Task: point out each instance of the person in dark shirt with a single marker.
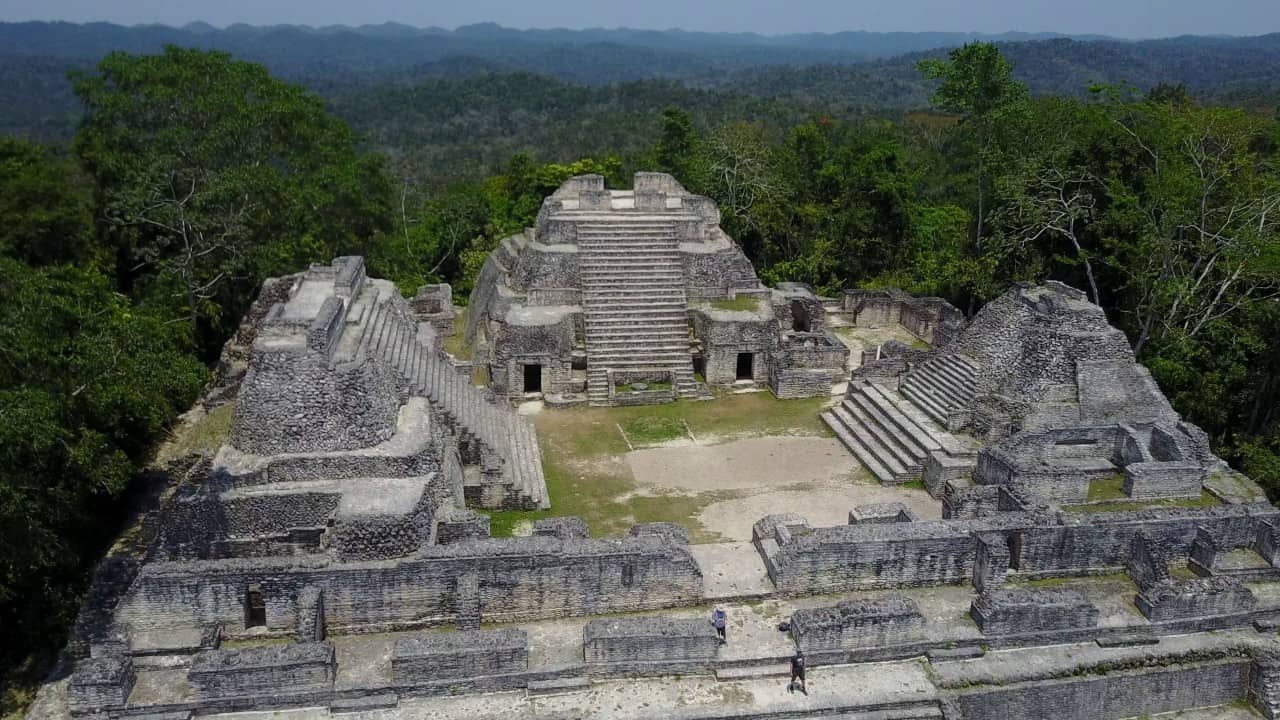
(797, 674)
(718, 619)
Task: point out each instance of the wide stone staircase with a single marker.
(941, 385)
(633, 302)
(391, 334)
(887, 433)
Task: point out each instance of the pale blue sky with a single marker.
(1126, 18)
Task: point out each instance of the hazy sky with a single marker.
(1127, 18)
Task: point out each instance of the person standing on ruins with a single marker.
(718, 619)
(797, 674)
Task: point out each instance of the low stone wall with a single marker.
(1199, 597)
(310, 627)
(435, 655)
(1020, 611)
(794, 383)
(1157, 480)
(101, 683)
(1111, 696)
(857, 624)
(270, 670)
(650, 645)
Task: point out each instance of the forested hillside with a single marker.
(173, 183)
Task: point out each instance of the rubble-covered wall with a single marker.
(429, 656)
(1198, 597)
(101, 683)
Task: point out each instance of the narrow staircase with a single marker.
(392, 335)
(633, 302)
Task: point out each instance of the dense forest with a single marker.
(131, 246)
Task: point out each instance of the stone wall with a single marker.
(1113, 695)
(1021, 611)
(429, 656)
(101, 683)
(1042, 545)
(1198, 597)
(519, 579)
(270, 670)
(857, 624)
(650, 645)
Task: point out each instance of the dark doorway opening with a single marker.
(746, 366)
(533, 378)
(255, 608)
(700, 367)
(1014, 543)
(799, 317)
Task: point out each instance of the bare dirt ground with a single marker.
(814, 477)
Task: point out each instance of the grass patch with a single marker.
(582, 458)
(1205, 500)
(913, 485)
(1060, 582)
(203, 436)
(456, 344)
(741, 303)
(653, 430)
(1107, 488)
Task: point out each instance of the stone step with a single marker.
(855, 446)
(861, 431)
(947, 397)
(903, 448)
(383, 701)
(753, 672)
(608, 277)
(948, 374)
(558, 686)
(922, 437)
(925, 403)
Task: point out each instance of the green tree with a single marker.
(46, 207)
(977, 84)
(208, 171)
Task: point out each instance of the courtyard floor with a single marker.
(713, 467)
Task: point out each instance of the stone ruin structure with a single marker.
(331, 556)
(626, 297)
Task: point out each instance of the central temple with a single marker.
(627, 297)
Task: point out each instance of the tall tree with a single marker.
(208, 173)
(977, 84)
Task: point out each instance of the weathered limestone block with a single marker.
(1019, 611)
(1148, 562)
(857, 624)
(629, 643)
(429, 656)
(270, 670)
(101, 683)
(882, 513)
(1199, 597)
(565, 528)
(311, 625)
(1267, 541)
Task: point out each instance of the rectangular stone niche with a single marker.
(271, 670)
(1017, 611)
(649, 639)
(858, 624)
(429, 656)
